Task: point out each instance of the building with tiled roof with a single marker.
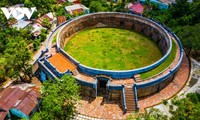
(18, 103)
(75, 1)
(36, 29)
(135, 8)
(60, 1)
(48, 16)
(21, 24)
(61, 19)
(76, 8)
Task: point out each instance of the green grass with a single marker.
(113, 49)
(54, 38)
(36, 116)
(164, 65)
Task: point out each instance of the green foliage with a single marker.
(153, 114)
(60, 11)
(36, 44)
(54, 38)
(98, 6)
(17, 57)
(28, 3)
(2, 70)
(187, 108)
(46, 23)
(44, 6)
(181, 109)
(86, 2)
(43, 35)
(59, 99)
(183, 17)
(162, 66)
(190, 38)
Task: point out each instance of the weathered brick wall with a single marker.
(143, 92)
(116, 20)
(87, 91)
(114, 95)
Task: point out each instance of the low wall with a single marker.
(154, 86)
(116, 20)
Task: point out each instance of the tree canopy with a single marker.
(59, 98)
(181, 109)
(17, 59)
(184, 19)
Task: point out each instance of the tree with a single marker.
(180, 109)
(43, 35)
(28, 3)
(154, 114)
(190, 38)
(2, 70)
(46, 23)
(187, 108)
(18, 59)
(59, 98)
(86, 2)
(98, 6)
(44, 6)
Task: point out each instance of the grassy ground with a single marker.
(113, 49)
(164, 65)
(54, 38)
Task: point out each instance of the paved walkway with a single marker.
(173, 88)
(191, 86)
(45, 44)
(98, 109)
(114, 111)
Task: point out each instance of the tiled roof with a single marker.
(137, 8)
(75, 1)
(49, 16)
(76, 7)
(60, 1)
(61, 19)
(25, 101)
(21, 24)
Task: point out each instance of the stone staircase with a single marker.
(130, 99)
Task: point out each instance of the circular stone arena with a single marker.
(131, 55)
(113, 49)
(123, 85)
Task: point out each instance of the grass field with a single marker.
(54, 38)
(164, 65)
(113, 49)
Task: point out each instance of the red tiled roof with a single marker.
(60, 1)
(17, 98)
(77, 2)
(61, 19)
(137, 8)
(77, 11)
(39, 20)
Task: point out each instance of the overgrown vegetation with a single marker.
(162, 66)
(181, 109)
(184, 19)
(59, 99)
(14, 51)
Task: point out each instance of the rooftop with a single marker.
(49, 16)
(75, 7)
(61, 63)
(61, 19)
(135, 7)
(25, 101)
(21, 24)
